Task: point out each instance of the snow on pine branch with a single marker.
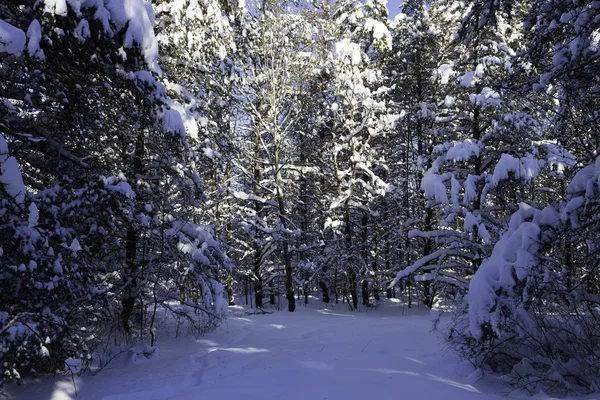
(12, 39)
(10, 174)
(424, 261)
(135, 16)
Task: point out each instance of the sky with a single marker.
(393, 8)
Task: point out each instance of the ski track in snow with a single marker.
(309, 354)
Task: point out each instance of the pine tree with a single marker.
(112, 196)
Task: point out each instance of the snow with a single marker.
(526, 168)
(82, 31)
(444, 73)
(558, 158)
(119, 185)
(514, 256)
(12, 180)
(75, 246)
(470, 222)
(34, 216)
(470, 189)
(487, 97)
(380, 32)
(179, 119)
(74, 365)
(34, 34)
(136, 16)
(3, 149)
(12, 39)
(449, 101)
(313, 353)
(580, 182)
(468, 79)
(434, 187)
(455, 189)
(463, 151)
(172, 122)
(348, 51)
(58, 7)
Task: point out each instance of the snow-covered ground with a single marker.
(311, 354)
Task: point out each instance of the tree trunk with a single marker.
(353, 290)
(230, 291)
(131, 243)
(365, 293)
(128, 299)
(258, 286)
(325, 292)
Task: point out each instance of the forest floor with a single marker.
(312, 354)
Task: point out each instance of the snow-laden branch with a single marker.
(441, 253)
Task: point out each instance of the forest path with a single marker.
(311, 354)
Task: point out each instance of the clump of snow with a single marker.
(119, 184)
(75, 246)
(34, 34)
(444, 72)
(136, 16)
(515, 254)
(348, 51)
(526, 168)
(74, 365)
(3, 149)
(34, 216)
(470, 189)
(82, 31)
(57, 7)
(487, 97)
(470, 222)
(172, 122)
(583, 182)
(179, 119)
(12, 39)
(12, 180)
(463, 151)
(454, 191)
(584, 187)
(44, 352)
(380, 32)
(433, 186)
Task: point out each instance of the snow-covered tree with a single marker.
(531, 309)
(111, 233)
(357, 121)
(484, 158)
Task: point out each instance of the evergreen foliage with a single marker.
(159, 157)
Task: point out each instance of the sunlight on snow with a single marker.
(327, 312)
(240, 350)
(395, 371)
(453, 383)
(277, 326)
(436, 378)
(207, 342)
(415, 360)
(64, 390)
